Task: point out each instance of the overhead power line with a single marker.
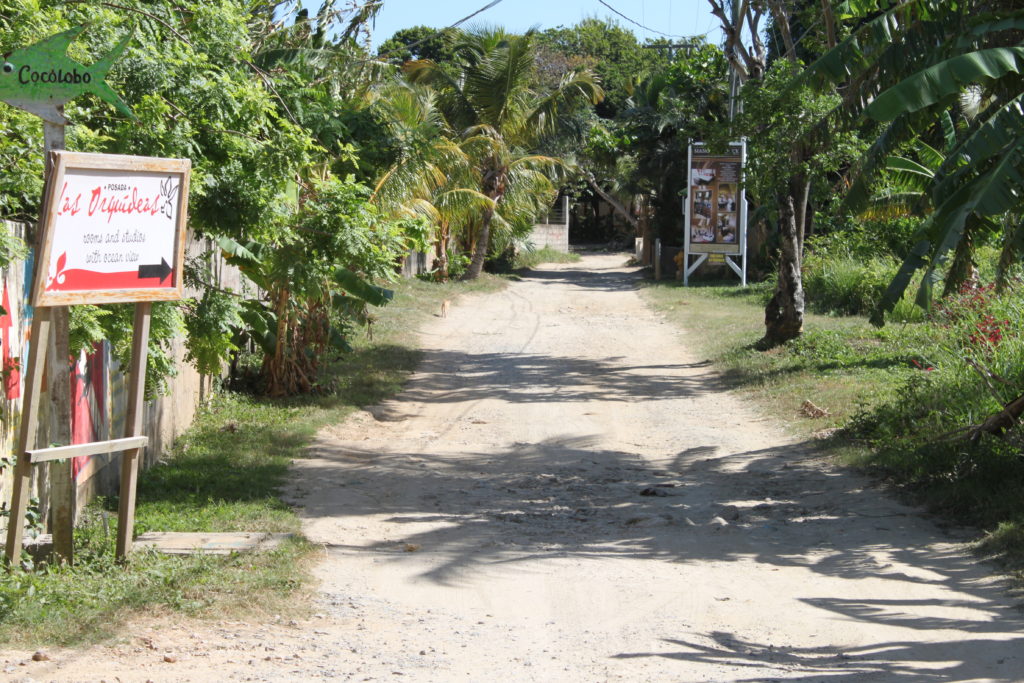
(440, 30)
(637, 23)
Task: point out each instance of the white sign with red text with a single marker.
(114, 230)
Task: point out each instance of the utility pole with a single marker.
(672, 48)
(735, 104)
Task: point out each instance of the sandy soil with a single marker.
(565, 493)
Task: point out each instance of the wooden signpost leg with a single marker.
(27, 433)
(133, 427)
(62, 485)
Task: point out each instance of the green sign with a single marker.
(40, 78)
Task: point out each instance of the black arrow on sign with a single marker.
(160, 270)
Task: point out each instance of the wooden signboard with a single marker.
(114, 230)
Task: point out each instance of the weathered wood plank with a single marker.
(80, 449)
(133, 427)
(62, 485)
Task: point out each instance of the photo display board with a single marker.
(114, 230)
(715, 222)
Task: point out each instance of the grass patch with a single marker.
(1006, 544)
(839, 364)
(223, 474)
(532, 259)
(904, 396)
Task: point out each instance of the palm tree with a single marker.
(432, 176)
(498, 116)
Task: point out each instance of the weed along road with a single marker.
(563, 492)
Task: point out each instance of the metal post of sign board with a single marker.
(686, 219)
(741, 269)
(744, 209)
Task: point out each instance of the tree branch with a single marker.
(736, 52)
(830, 23)
(615, 204)
(782, 23)
(997, 424)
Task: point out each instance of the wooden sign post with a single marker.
(112, 230)
(40, 79)
(62, 483)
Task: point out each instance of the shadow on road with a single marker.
(599, 280)
(566, 497)
(473, 505)
(527, 377)
(886, 662)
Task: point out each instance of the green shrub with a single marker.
(845, 285)
(923, 435)
(847, 272)
(866, 238)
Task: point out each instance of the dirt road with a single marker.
(564, 493)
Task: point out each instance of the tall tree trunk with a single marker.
(782, 24)
(784, 315)
(829, 18)
(803, 214)
(441, 252)
(483, 239)
(494, 187)
(276, 364)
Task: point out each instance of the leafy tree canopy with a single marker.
(613, 53)
(419, 42)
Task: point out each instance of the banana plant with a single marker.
(316, 282)
(901, 71)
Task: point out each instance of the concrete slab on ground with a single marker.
(221, 543)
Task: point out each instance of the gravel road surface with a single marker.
(565, 492)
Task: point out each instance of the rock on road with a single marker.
(564, 492)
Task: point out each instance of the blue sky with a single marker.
(675, 17)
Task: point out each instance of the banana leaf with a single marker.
(361, 289)
(262, 325)
(894, 292)
(946, 78)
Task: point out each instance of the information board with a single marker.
(113, 230)
(715, 200)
